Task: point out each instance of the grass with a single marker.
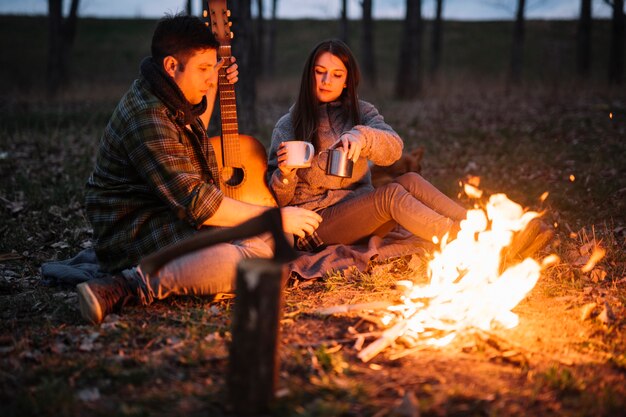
(171, 358)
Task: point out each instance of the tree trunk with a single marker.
(244, 52)
(254, 359)
(517, 47)
(436, 39)
(61, 35)
(343, 25)
(188, 8)
(616, 60)
(271, 42)
(367, 44)
(259, 40)
(584, 39)
(408, 80)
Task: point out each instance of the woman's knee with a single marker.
(389, 193)
(409, 178)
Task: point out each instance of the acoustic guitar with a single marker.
(241, 159)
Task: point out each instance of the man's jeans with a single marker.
(204, 272)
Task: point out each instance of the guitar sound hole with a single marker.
(232, 176)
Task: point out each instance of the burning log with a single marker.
(387, 338)
(345, 308)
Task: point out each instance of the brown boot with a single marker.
(101, 296)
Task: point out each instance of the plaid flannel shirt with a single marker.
(153, 182)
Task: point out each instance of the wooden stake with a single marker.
(253, 372)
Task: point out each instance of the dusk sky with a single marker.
(324, 9)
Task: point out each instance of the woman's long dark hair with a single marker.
(305, 113)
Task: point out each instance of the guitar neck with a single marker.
(228, 110)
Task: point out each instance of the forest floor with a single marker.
(567, 356)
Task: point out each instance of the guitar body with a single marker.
(241, 159)
(245, 183)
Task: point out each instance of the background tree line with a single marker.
(255, 24)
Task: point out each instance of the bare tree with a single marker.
(517, 46)
(616, 55)
(243, 49)
(343, 21)
(259, 39)
(409, 76)
(271, 42)
(367, 44)
(584, 38)
(435, 57)
(61, 35)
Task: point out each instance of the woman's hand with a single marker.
(299, 221)
(282, 161)
(351, 143)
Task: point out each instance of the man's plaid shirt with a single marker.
(153, 180)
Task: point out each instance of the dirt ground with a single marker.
(553, 363)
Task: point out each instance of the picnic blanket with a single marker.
(308, 265)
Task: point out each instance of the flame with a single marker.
(470, 186)
(597, 254)
(467, 287)
(572, 178)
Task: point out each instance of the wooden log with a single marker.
(345, 308)
(253, 365)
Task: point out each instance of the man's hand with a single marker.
(299, 221)
(232, 70)
(351, 143)
(232, 75)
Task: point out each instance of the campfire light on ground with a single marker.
(468, 287)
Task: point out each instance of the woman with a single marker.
(329, 114)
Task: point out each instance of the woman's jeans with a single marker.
(409, 201)
(204, 272)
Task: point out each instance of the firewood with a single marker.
(539, 243)
(345, 308)
(387, 338)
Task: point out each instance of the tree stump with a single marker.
(253, 361)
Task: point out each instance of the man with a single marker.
(154, 180)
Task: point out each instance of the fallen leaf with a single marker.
(587, 310)
(606, 316)
(60, 245)
(87, 344)
(586, 248)
(598, 275)
(9, 256)
(89, 394)
(13, 206)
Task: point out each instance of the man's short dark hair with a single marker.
(180, 36)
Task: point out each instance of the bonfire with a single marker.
(471, 284)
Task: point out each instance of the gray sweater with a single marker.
(311, 188)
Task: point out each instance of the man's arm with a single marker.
(296, 220)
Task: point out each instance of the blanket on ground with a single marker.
(307, 265)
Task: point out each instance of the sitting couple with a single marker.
(154, 181)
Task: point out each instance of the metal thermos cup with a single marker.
(338, 163)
